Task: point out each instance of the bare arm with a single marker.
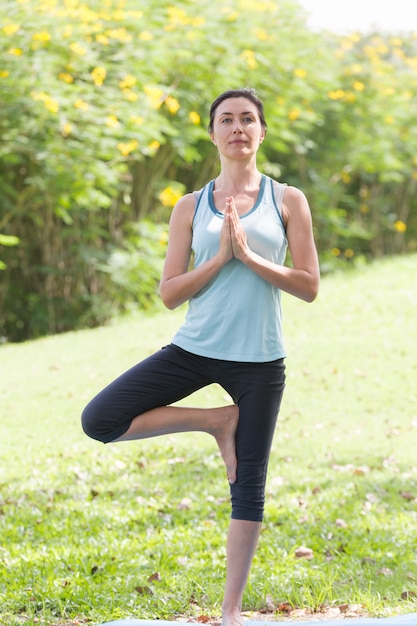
(301, 280)
(178, 283)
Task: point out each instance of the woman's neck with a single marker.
(234, 179)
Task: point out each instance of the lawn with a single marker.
(90, 533)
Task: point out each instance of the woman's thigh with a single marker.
(161, 379)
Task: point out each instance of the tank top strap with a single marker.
(198, 195)
(275, 193)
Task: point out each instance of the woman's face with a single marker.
(237, 130)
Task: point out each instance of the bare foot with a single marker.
(233, 618)
(224, 431)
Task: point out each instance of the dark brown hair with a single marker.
(247, 93)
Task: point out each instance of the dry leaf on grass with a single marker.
(303, 553)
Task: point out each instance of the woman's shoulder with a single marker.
(293, 199)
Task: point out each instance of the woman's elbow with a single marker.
(167, 298)
(313, 291)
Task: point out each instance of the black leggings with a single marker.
(172, 374)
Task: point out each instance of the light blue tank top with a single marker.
(237, 316)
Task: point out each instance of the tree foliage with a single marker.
(103, 125)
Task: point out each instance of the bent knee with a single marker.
(96, 426)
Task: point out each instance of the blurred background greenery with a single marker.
(103, 126)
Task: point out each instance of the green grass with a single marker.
(93, 533)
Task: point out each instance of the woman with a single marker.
(238, 227)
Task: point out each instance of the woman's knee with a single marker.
(90, 422)
(99, 426)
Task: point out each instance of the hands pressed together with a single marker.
(233, 240)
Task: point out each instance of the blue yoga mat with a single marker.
(399, 620)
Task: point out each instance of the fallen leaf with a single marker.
(384, 571)
(341, 523)
(407, 495)
(303, 553)
(284, 607)
(407, 595)
(143, 591)
(155, 576)
(361, 471)
(269, 603)
(184, 505)
(298, 613)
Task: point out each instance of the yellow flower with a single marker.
(98, 75)
(358, 85)
(67, 32)
(350, 97)
(178, 16)
(261, 35)
(349, 253)
(102, 39)
(335, 252)
(145, 35)
(346, 178)
(194, 117)
(78, 49)
(249, 57)
(155, 95)
(66, 78)
(389, 119)
(169, 196)
(163, 240)
(112, 121)
(400, 226)
(51, 104)
(121, 34)
(130, 95)
(127, 82)
(4, 73)
(81, 104)
(137, 119)
(154, 145)
(294, 114)
(66, 129)
(16, 51)
(11, 29)
(300, 73)
(126, 147)
(41, 36)
(172, 104)
(119, 15)
(337, 94)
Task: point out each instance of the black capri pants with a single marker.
(170, 375)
